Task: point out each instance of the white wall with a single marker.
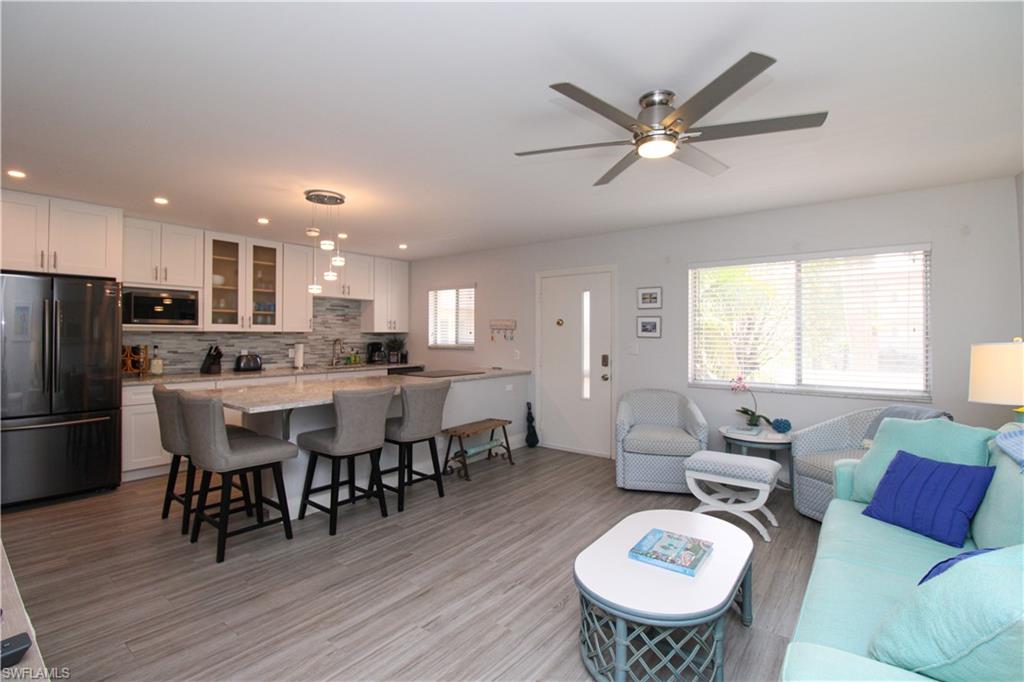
(1019, 182)
(976, 287)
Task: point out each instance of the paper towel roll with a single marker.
(300, 349)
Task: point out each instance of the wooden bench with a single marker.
(464, 431)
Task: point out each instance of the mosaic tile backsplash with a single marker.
(332, 319)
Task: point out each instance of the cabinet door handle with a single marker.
(156, 273)
(54, 260)
(42, 258)
(165, 273)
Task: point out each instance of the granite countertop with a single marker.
(230, 375)
(256, 399)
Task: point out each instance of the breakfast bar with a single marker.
(285, 411)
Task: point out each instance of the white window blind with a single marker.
(452, 318)
(841, 324)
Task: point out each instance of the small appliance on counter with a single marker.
(375, 352)
(211, 363)
(248, 362)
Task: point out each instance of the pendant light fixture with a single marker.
(328, 199)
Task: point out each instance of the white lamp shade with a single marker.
(997, 373)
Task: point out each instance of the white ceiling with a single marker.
(414, 111)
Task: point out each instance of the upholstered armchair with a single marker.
(655, 432)
(817, 448)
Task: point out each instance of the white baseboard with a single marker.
(148, 472)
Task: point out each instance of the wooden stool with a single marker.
(471, 429)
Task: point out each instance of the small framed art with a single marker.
(648, 297)
(648, 327)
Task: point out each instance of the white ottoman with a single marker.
(737, 484)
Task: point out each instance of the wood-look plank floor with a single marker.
(474, 586)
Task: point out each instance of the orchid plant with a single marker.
(738, 385)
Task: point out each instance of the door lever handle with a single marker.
(605, 377)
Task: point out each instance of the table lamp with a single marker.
(997, 374)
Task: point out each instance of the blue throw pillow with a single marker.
(946, 564)
(936, 499)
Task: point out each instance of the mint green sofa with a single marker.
(863, 567)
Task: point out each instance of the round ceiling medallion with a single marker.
(325, 197)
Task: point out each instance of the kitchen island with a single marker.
(285, 411)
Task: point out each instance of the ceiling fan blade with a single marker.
(601, 107)
(574, 147)
(765, 125)
(624, 163)
(719, 90)
(702, 161)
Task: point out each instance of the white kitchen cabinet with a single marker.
(264, 282)
(140, 438)
(355, 278)
(42, 234)
(85, 239)
(297, 263)
(160, 254)
(389, 309)
(322, 263)
(26, 231)
(243, 284)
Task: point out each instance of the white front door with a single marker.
(574, 394)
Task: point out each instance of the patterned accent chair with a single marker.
(816, 449)
(655, 432)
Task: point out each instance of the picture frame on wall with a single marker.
(648, 297)
(648, 327)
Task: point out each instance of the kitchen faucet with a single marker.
(336, 353)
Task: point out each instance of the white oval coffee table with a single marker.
(639, 621)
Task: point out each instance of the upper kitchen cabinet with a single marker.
(243, 284)
(26, 231)
(41, 234)
(296, 301)
(389, 309)
(160, 254)
(355, 277)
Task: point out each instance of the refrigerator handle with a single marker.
(58, 313)
(46, 345)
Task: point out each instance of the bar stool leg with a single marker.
(172, 479)
(257, 487)
(223, 515)
(401, 476)
(243, 482)
(377, 482)
(335, 484)
(437, 467)
(204, 491)
(310, 471)
(282, 499)
(190, 482)
(351, 477)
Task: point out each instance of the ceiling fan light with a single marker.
(657, 147)
(327, 244)
(338, 261)
(315, 289)
(330, 276)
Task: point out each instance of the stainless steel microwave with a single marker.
(160, 306)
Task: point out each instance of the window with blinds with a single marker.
(451, 318)
(854, 323)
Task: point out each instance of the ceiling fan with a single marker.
(661, 130)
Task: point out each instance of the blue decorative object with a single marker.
(946, 564)
(781, 425)
(936, 499)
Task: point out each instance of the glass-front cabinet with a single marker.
(243, 284)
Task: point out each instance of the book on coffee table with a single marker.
(675, 552)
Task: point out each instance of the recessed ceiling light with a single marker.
(17, 174)
(263, 221)
(342, 235)
(403, 246)
(160, 200)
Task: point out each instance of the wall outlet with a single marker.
(291, 353)
(508, 387)
(515, 354)
(244, 352)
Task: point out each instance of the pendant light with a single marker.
(329, 199)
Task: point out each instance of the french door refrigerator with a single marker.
(60, 386)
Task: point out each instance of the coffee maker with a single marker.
(375, 352)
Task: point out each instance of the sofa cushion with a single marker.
(936, 499)
(938, 439)
(815, 663)
(1000, 518)
(863, 566)
(818, 465)
(966, 624)
(740, 467)
(654, 439)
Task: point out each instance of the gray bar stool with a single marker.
(422, 412)
(174, 440)
(213, 452)
(360, 418)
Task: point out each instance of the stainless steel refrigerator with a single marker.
(60, 386)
